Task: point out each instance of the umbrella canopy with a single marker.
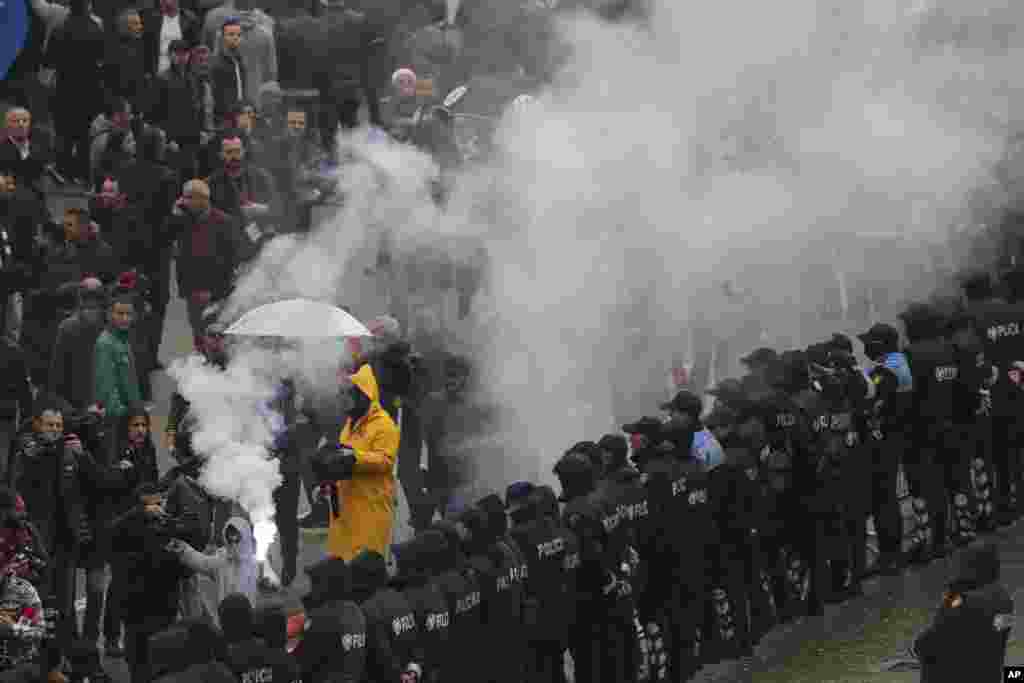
(298, 318)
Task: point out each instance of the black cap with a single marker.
(761, 356)
(685, 402)
(615, 444)
(880, 332)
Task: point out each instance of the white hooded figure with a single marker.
(233, 568)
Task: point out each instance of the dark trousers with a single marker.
(885, 457)
(545, 663)
(923, 467)
(73, 128)
(585, 642)
(8, 430)
(95, 596)
(113, 620)
(1006, 462)
(136, 642)
(62, 589)
(286, 509)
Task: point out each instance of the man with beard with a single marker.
(207, 251)
(71, 371)
(297, 152)
(245, 192)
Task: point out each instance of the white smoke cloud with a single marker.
(720, 141)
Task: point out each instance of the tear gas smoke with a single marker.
(770, 145)
(234, 431)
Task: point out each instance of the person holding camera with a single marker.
(57, 477)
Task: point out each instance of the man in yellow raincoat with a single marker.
(364, 515)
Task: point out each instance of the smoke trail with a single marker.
(718, 142)
(234, 431)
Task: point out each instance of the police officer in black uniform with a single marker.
(888, 429)
(973, 425)
(460, 584)
(544, 603)
(931, 465)
(999, 325)
(505, 609)
(390, 622)
(596, 582)
(417, 559)
(680, 537)
(334, 642)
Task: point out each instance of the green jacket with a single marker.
(116, 381)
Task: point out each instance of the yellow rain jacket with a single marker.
(368, 499)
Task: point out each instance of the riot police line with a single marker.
(687, 537)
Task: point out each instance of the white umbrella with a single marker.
(298, 318)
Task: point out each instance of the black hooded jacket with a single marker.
(976, 618)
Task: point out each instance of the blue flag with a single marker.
(13, 30)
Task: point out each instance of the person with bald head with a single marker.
(208, 251)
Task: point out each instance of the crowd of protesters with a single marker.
(678, 541)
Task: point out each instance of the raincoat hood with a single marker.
(366, 381)
(977, 567)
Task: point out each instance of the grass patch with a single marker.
(853, 658)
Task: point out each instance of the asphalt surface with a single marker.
(860, 641)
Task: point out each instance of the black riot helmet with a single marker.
(922, 321)
(577, 475)
(880, 340)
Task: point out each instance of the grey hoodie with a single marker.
(232, 573)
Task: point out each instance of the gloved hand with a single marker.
(333, 463)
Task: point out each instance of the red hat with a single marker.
(128, 279)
